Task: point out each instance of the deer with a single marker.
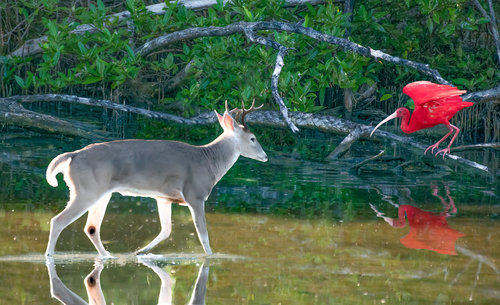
(168, 171)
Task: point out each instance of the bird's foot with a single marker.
(444, 151)
(433, 147)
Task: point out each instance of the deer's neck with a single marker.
(222, 153)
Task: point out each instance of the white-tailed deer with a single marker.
(169, 171)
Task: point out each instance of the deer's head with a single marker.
(236, 127)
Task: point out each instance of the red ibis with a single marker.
(434, 104)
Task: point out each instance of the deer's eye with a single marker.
(252, 139)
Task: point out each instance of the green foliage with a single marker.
(448, 35)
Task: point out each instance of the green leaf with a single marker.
(100, 6)
(430, 25)
(130, 51)
(410, 104)
(248, 13)
(91, 80)
(55, 59)
(461, 81)
(385, 97)
(131, 6)
(19, 81)
(490, 72)
(378, 27)
(448, 29)
(483, 20)
(322, 96)
(306, 21)
(52, 29)
(467, 26)
(205, 84)
(435, 17)
(169, 61)
(313, 54)
(186, 49)
(82, 48)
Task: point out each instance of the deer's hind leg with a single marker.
(165, 213)
(94, 221)
(77, 206)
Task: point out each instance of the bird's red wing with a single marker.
(436, 112)
(423, 92)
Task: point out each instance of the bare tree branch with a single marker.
(241, 27)
(483, 96)
(495, 145)
(31, 47)
(249, 32)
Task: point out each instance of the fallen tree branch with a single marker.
(15, 114)
(326, 123)
(476, 146)
(367, 160)
(483, 96)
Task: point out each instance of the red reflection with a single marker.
(428, 230)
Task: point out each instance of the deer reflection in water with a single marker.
(93, 286)
(428, 230)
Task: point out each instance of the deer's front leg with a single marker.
(94, 221)
(165, 213)
(198, 212)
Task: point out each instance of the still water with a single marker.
(295, 230)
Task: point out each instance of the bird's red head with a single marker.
(402, 112)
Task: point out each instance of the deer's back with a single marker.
(141, 167)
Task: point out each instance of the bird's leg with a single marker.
(439, 142)
(447, 149)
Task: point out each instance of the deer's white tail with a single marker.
(58, 165)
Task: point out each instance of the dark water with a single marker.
(291, 231)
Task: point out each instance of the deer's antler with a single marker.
(239, 114)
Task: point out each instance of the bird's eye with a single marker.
(252, 139)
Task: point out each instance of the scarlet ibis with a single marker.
(434, 104)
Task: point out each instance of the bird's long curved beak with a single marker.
(392, 116)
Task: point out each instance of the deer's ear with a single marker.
(220, 118)
(228, 122)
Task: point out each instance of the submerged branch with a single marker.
(366, 161)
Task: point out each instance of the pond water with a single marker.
(294, 230)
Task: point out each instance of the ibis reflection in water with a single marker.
(428, 230)
(92, 284)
